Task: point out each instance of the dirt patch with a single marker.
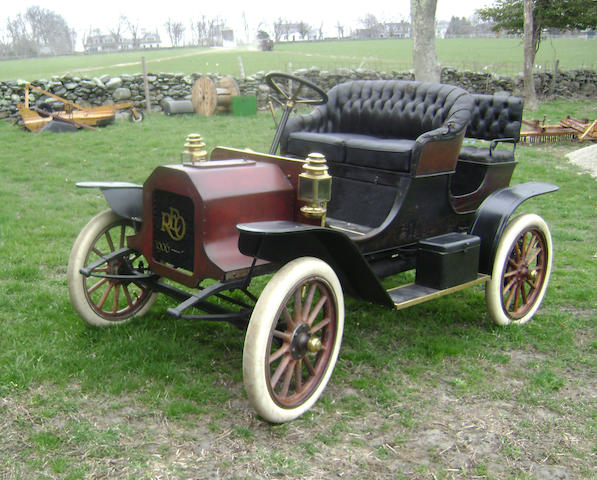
(586, 158)
(433, 432)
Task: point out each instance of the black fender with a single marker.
(283, 241)
(126, 199)
(493, 214)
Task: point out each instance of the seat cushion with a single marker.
(301, 144)
(384, 153)
(481, 154)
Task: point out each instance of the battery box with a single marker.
(447, 260)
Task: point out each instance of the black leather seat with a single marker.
(380, 124)
(496, 119)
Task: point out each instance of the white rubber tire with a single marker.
(78, 286)
(278, 296)
(534, 228)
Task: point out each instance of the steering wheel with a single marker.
(291, 97)
(275, 79)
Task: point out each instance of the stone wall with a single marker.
(106, 89)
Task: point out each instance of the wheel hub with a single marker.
(303, 342)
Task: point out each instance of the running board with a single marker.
(412, 294)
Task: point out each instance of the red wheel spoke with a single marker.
(100, 304)
(127, 294)
(97, 252)
(97, 285)
(524, 294)
(324, 323)
(116, 298)
(512, 289)
(290, 325)
(109, 240)
(298, 315)
(510, 273)
(309, 366)
(516, 296)
(316, 310)
(280, 370)
(298, 373)
(122, 235)
(281, 351)
(287, 379)
(282, 335)
(309, 302)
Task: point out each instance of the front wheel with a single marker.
(521, 270)
(293, 339)
(101, 300)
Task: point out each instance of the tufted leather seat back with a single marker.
(392, 108)
(495, 117)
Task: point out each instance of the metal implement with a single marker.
(82, 117)
(569, 129)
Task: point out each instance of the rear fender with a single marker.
(493, 214)
(126, 199)
(283, 241)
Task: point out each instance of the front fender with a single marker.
(283, 241)
(493, 214)
(126, 199)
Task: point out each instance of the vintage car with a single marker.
(374, 181)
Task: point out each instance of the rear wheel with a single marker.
(521, 270)
(293, 339)
(106, 301)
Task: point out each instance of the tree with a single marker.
(529, 56)
(39, 31)
(304, 29)
(459, 27)
(116, 32)
(425, 61)
(340, 29)
(509, 15)
(175, 31)
(133, 28)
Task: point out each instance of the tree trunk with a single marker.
(425, 61)
(529, 57)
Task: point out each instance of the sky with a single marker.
(83, 15)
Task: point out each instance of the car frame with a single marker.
(202, 231)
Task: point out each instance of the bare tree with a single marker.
(133, 28)
(425, 61)
(175, 31)
(304, 29)
(116, 31)
(340, 29)
(39, 31)
(278, 29)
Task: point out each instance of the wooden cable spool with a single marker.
(208, 96)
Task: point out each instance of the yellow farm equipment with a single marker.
(569, 129)
(79, 116)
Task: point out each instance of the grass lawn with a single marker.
(434, 391)
(500, 55)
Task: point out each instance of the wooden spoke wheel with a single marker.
(98, 299)
(293, 339)
(521, 270)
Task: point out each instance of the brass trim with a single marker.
(336, 227)
(482, 278)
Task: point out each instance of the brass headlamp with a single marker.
(315, 187)
(194, 151)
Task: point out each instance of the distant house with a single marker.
(110, 43)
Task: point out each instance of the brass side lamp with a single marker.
(194, 151)
(315, 187)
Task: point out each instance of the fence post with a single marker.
(146, 86)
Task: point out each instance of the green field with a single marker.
(433, 391)
(495, 55)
